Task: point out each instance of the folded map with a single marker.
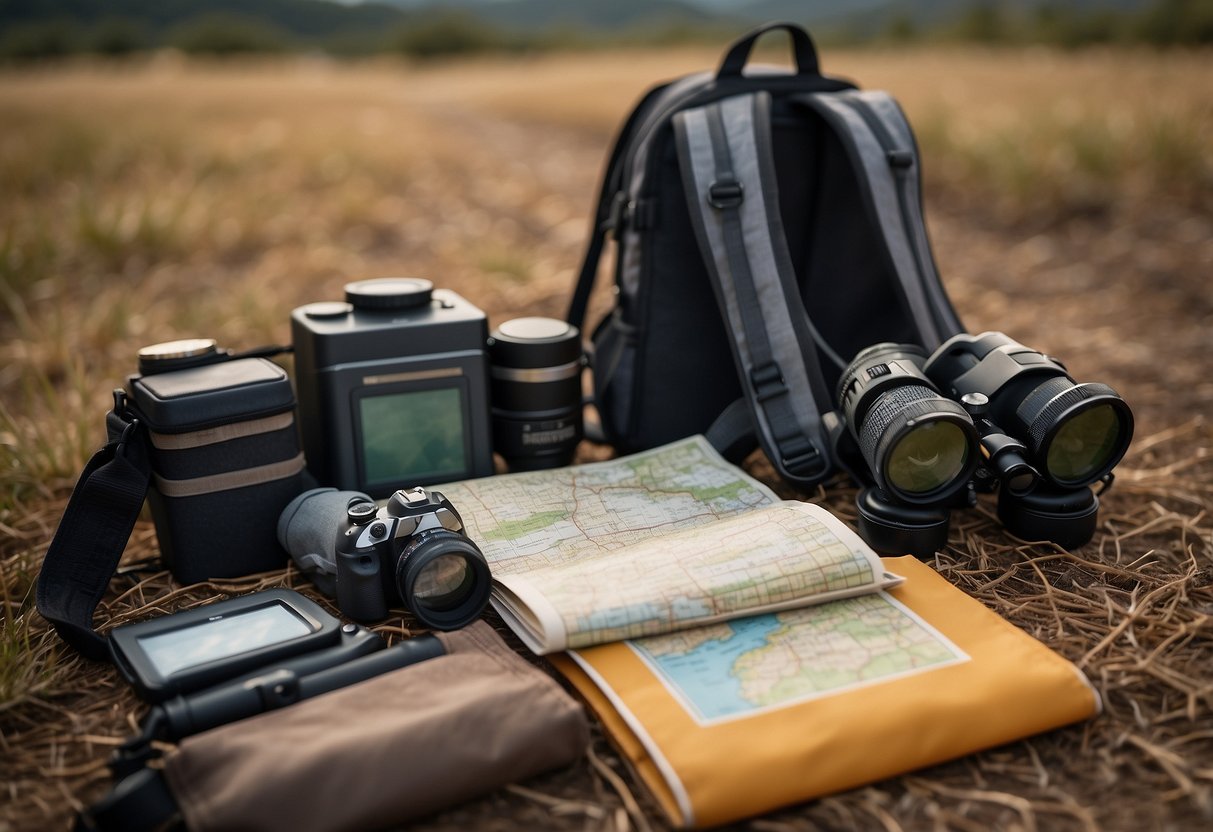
(653, 543)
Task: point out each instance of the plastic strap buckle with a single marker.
(807, 463)
(768, 382)
(726, 193)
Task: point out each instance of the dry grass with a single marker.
(1069, 199)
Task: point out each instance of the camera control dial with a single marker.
(389, 293)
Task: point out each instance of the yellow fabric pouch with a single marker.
(926, 674)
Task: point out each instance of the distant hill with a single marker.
(35, 29)
(584, 15)
(302, 18)
(854, 15)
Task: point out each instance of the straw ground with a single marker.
(1069, 200)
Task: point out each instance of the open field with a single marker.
(1070, 199)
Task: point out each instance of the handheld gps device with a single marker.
(198, 648)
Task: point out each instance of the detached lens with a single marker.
(536, 387)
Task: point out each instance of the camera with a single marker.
(224, 454)
(393, 386)
(981, 413)
(412, 551)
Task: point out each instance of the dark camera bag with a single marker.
(768, 226)
(225, 461)
(215, 450)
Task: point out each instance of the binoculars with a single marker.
(923, 433)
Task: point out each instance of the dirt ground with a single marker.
(492, 202)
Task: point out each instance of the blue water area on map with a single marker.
(704, 675)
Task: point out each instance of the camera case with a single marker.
(225, 461)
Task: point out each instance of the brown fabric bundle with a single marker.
(382, 752)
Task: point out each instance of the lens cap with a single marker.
(389, 293)
(527, 343)
(172, 355)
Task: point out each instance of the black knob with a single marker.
(389, 293)
(361, 513)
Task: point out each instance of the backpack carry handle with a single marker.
(803, 50)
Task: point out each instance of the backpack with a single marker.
(768, 226)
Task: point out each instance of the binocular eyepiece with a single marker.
(981, 413)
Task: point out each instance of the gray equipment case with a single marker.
(768, 226)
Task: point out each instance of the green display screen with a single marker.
(412, 436)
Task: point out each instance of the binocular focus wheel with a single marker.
(898, 529)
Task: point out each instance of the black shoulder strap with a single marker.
(726, 159)
(93, 533)
(612, 200)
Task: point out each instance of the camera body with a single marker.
(411, 552)
(393, 386)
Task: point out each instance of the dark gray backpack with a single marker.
(768, 226)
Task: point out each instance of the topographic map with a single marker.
(528, 521)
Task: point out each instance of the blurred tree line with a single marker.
(32, 30)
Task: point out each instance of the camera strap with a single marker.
(93, 532)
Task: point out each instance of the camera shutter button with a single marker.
(378, 530)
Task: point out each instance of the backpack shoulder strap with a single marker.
(875, 134)
(728, 173)
(611, 202)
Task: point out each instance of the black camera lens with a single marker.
(1075, 433)
(536, 392)
(919, 446)
(443, 579)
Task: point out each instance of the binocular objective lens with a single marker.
(927, 458)
(1084, 445)
(444, 582)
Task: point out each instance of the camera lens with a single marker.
(536, 392)
(443, 579)
(443, 583)
(918, 445)
(1079, 431)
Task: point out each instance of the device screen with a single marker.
(413, 436)
(223, 637)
